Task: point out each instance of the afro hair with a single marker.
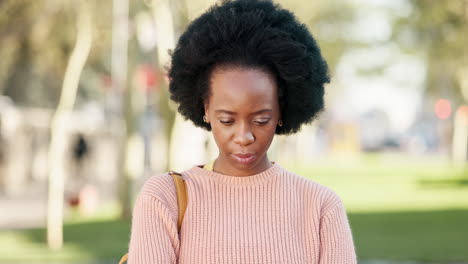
(251, 34)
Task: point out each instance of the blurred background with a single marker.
(85, 119)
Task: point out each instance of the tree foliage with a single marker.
(36, 41)
(440, 30)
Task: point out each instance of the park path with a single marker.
(23, 212)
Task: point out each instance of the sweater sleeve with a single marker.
(336, 241)
(154, 237)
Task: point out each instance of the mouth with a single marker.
(244, 158)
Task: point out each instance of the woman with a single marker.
(244, 70)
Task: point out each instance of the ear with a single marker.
(206, 107)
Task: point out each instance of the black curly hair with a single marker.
(250, 34)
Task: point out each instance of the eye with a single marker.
(261, 121)
(226, 122)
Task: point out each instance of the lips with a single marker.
(244, 158)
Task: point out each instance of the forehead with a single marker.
(244, 89)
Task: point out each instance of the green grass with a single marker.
(391, 183)
(100, 238)
(440, 236)
(399, 208)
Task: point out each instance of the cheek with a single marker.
(266, 134)
(221, 135)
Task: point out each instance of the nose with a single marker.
(244, 135)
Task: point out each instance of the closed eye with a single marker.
(262, 122)
(226, 122)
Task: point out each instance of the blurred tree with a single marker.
(58, 141)
(36, 40)
(329, 23)
(440, 30)
(170, 18)
(124, 95)
(24, 28)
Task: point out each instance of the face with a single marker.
(243, 112)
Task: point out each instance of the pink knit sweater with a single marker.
(272, 217)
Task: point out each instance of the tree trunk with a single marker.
(122, 95)
(59, 126)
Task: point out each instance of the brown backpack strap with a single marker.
(181, 202)
(181, 196)
(123, 259)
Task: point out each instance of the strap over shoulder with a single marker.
(182, 197)
(181, 202)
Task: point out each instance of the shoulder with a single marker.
(162, 188)
(314, 193)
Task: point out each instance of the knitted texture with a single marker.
(272, 217)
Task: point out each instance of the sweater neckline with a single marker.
(265, 176)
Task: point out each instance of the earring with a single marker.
(280, 123)
(204, 119)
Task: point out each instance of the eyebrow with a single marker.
(222, 111)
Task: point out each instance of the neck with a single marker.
(224, 167)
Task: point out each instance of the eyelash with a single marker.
(227, 123)
(262, 122)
